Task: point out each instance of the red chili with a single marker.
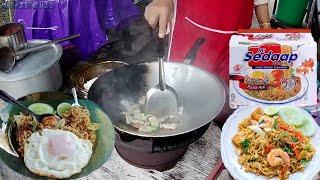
(268, 148)
(277, 74)
(276, 83)
(295, 150)
(284, 127)
(299, 136)
(283, 170)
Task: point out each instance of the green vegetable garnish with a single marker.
(148, 129)
(34, 126)
(275, 125)
(287, 149)
(252, 159)
(294, 139)
(284, 134)
(245, 145)
(307, 147)
(153, 121)
(261, 121)
(292, 71)
(304, 162)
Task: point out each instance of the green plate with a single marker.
(101, 152)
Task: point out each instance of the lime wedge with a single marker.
(62, 108)
(292, 115)
(308, 129)
(270, 110)
(41, 108)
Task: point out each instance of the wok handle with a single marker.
(191, 55)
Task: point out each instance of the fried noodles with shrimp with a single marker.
(276, 93)
(268, 146)
(76, 120)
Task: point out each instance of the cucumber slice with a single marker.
(62, 108)
(308, 129)
(41, 108)
(292, 116)
(271, 110)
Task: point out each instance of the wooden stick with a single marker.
(217, 169)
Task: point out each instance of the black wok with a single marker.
(202, 94)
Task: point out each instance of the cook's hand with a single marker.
(159, 12)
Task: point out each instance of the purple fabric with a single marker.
(315, 112)
(86, 17)
(116, 13)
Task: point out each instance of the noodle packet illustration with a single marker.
(278, 69)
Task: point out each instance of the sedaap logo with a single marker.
(269, 52)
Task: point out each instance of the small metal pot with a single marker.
(12, 35)
(39, 72)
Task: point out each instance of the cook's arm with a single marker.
(160, 12)
(262, 13)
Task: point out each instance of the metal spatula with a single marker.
(161, 100)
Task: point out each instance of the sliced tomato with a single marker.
(277, 74)
(276, 83)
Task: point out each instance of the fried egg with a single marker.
(56, 153)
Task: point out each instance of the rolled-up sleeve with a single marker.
(260, 2)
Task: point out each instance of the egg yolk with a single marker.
(61, 146)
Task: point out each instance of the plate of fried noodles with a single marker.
(257, 146)
(283, 92)
(88, 128)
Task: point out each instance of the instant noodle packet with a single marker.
(273, 67)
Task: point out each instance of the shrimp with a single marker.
(302, 70)
(257, 114)
(308, 64)
(237, 139)
(253, 122)
(137, 124)
(49, 121)
(268, 122)
(278, 157)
